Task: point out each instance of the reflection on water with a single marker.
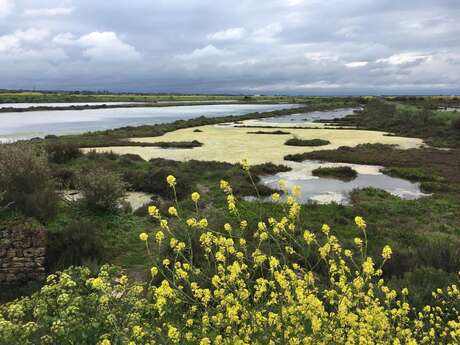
(53, 105)
(456, 109)
(301, 119)
(16, 125)
(135, 199)
(325, 190)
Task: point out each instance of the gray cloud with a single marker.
(275, 46)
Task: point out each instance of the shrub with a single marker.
(94, 155)
(26, 181)
(129, 158)
(76, 244)
(306, 142)
(64, 178)
(102, 189)
(61, 151)
(155, 183)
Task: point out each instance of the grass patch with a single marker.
(342, 173)
(306, 142)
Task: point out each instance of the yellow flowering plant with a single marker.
(269, 282)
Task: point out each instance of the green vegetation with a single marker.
(305, 142)
(76, 244)
(70, 97)
(270, 132)
(102, 189)
(341, 173)
(25, 182)
(406, 120)
(178, 144)
(414, 174)
(60, 151)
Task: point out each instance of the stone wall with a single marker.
(22, 254)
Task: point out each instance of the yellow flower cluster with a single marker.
(240, 283)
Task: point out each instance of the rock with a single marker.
(22, 254)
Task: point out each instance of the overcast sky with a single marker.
(238, 46)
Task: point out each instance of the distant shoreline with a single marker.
(128, 105)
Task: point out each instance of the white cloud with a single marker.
(29, 47)
(100, 46)
(294, 2)
(203, 53)
(48, 12)
(268, 32)
(65, 39)
(356, 64)
(16, 40)
(6, 6)
(404, 58)
(229, 34)
(8, 42)
(106, 46)
(321, 57)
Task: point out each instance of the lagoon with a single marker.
(26, 125)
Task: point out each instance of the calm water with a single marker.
(28, 105)
(450, 109)
(15, 125)
(325, 190)
(308, 117)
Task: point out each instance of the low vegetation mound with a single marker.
(241, 282)
(414, 174)
(277, 132)
(306, 142)
(341, 173)
(178, 144)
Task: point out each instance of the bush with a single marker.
(155, 183)
(76, 244)
(129, 159)
(94, 155)
(26, 181)
(102, 189)
(62, 151)
(64, 178)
